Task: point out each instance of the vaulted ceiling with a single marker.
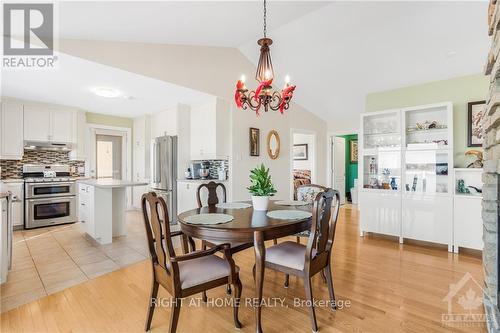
(336, 52)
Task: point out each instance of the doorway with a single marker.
(344, 153)
(108, 156)
(303, 159)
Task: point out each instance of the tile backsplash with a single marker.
(14, 169)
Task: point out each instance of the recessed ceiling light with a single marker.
(106, 92)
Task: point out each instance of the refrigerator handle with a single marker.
(153, 162)
(158, 163)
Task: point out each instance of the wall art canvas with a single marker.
(475, 130)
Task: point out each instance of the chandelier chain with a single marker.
(265, 19)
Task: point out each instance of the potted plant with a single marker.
(262, 187)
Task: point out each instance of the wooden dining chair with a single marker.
(305, 261)
(213, 200)
(308, 194)
(183, 275)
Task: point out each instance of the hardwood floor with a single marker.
(390, 287)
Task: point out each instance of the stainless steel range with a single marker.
(49, 195)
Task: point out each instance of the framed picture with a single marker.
(475, 130)
(300, 152)
(353, 145)
(254, 139)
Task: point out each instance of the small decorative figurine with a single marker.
(478, 163)
(394, 186)
(461, 187)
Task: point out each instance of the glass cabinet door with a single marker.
(382, 170)
(382, 130)
(427, 172)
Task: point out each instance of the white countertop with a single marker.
(200, 180)
(13, 180)
(110, 183)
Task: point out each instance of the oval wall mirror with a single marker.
(273, 144)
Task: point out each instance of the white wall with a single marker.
(300, 138)
(215, 70)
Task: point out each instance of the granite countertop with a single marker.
(110, 183)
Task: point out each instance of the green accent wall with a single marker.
(351, 169)
(104, 119)
(459, 91)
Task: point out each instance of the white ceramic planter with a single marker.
(260, 203)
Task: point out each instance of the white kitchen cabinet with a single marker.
(86, 208)
(186, 195)
(12, 127)
(36, 123)
(141, 147)
(48, 125)
(467, 207)
(61, 125)
(210, 130)
(80, 137)
(17, 190)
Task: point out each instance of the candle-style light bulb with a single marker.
(287, 81)
(243, 78)
(267, 74)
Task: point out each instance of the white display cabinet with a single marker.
(380, 173)
(428, 127)
(467, 222)
(427, 201)
(404, 164)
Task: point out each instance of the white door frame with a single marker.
(329, 163)
(314, 164)
(126, 134)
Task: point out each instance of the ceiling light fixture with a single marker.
(264, 95)
(106, 92)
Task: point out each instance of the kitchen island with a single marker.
(101, 207)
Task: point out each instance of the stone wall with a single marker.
(491, 171)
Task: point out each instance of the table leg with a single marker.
(260, 256)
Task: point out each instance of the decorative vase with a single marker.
(260, 203)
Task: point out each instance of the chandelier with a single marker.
(264, 95)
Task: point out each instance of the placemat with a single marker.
(209, 219)
(288, 214)
(233, 205)
(291, 203)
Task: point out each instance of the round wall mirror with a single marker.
(273, 144)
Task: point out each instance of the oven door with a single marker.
(54, 189)
(49, 211)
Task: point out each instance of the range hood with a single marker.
(52, 146)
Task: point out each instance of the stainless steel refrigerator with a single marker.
(164, 172)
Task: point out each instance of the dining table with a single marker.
(248, 225)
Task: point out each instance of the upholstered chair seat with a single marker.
(288, 254)
(203, 270)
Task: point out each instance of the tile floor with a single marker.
(48, 260)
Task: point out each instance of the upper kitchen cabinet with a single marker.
(11, 125)
(210, 130)
(44, 124)
(80, 137)
(62, 125)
